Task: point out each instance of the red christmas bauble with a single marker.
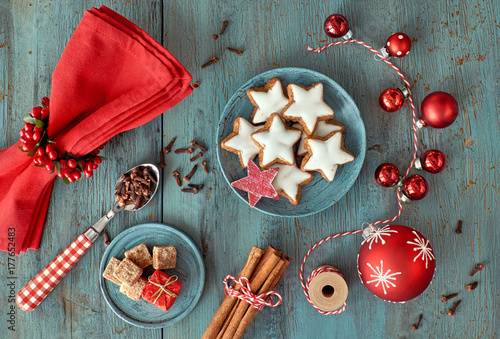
(396, 263)
(433, 161)
(439, 110)
(415, 187)
(387, 175)
(336, 26)
(398, 45)
(391, 100)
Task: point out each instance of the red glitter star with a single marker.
(257, 183)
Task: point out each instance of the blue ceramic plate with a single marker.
(319, 193)
(190, 270)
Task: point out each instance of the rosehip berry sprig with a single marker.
(37, 145)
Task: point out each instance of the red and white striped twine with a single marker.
(257, 301)
(305, 287)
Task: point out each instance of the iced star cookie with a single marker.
(240, 142)
(267, 100)
(307, 106)
(275, 141)
(289, 180)
(323, 129)
(325, 154)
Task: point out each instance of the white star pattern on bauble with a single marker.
(242, 142)
(308, 105)
(268, 102)
(386, 279)
(378, 234)
(277, 142)
(422, 245)
(326, 155)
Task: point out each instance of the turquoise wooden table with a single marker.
(455, 49)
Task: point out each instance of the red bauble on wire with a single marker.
(396, 263)
(438, 110)
(392, 99)
(415, 187)
(433, 161)
(337, 26)
(398, 45)
(387, 175)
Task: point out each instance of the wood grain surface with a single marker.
(455, 49)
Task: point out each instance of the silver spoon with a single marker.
(31, 295)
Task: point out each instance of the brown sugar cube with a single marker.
(164, 257)
(134, 291)
(110, 269)
(124, 288)
(127, 272)
(140, 255)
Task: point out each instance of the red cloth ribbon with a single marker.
(112, 77)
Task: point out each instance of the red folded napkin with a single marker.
(112, 77)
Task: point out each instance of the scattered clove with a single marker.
(193, 190)
(451, 311)
(190, 174)
(196, 85)
(445, 298)
(234, 50)
(106, 238)
(167, 149)
(197, 145)
(189, 150)
(415, 325)
(177, 177)
(459, 227)
(196, 157)
(197, 186)
(162, 164)
(215, 37)
(472, 286)
(204, 164)
(212, 61)
(479, 267)
(224, 25)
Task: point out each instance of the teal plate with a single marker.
(319, 194)
(190, 270)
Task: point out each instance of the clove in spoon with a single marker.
(31, 295)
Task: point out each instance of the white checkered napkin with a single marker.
(40, 286)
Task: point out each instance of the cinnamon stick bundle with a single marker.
(234, 315)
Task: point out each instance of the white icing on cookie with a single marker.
(276, 142)
(242, 143)
(288, 181)
(268, 102)
(325, 156)
(322, 130)
(308, 106)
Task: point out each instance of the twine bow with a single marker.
(162, 288)
(246, 294)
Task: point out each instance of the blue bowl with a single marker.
(190, 270)
(319, 194)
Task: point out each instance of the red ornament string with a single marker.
(305, 287)
(257, 301)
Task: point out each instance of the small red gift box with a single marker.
(161, 290)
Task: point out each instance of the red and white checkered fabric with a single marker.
(40, 286)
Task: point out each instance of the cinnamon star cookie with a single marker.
(267, 100)
(275, 141)
(325, 154)
(289, 180)
(323, 129)
(307, 106)
(240, 142)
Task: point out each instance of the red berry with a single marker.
(39, 129)
(96, 151)
(43, 159)
(28, 135)
(89, 166)
(49, 147)
(52, 155)
(63, 163)
(60, 175)
(49, 166)
(28, 146)
(45, 101)
(36, 160)
(72, 163)
(40, 151)
(35, 112)
(22, 133)
(77, 175)
(36, 136)
(70, 179)
(44, 113)
(88, 174)
(28, 127)
(94, 166)
(96, 160)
